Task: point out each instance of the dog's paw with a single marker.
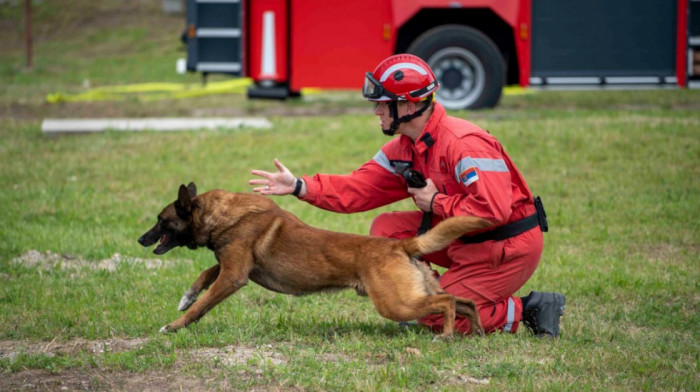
(164, 329)
(443, 338)
(477, 329)
(187, 300)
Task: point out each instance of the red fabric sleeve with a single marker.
(368, 187)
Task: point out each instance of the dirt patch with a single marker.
(50, 260)
(228, 355)
(38, 111)
(215, 107)
(98, 380)
(667, 253)
(238, 355)
(254, 358)
(454, 378)
(10, 349)
(91, 380)
(284, 111)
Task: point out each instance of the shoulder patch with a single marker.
(482, 164)
(469, 176)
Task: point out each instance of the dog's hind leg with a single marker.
(422, 306)
(202, 283)
(467, 308)
(445, 304)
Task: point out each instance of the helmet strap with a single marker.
(394, 113)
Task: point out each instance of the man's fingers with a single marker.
(261, 173)
(280, 166)
(277, 180)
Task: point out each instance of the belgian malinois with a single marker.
(252, 238)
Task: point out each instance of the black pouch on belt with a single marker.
(541, 215)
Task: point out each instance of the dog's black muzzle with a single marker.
(168, 240)
(150, 237)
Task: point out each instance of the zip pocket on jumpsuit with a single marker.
(497, 254)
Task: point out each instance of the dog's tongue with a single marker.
(163, 240)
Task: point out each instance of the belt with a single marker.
(539, 218)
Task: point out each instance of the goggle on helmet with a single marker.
(402, 77)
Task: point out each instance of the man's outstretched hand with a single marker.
(281, 182)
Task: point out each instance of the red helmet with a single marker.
(401, 77)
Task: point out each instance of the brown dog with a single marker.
(254, 239)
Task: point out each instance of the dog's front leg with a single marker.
(202, 283)
(235, 265)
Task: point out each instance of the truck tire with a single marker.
(467, 64)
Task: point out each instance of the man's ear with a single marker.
(192, 190)
(183, 204)
(410, 107)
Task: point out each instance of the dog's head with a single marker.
(174, 226)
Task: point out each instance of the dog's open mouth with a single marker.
(163, 246)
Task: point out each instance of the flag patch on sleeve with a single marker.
(469, 176)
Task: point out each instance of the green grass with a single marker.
(618, 172)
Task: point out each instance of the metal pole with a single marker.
(28, 31)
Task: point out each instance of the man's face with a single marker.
(383, 112)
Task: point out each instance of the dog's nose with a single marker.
(142, 241)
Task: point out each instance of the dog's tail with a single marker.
(443, 234)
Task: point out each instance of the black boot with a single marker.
(541, 312)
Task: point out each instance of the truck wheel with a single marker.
(467, 64)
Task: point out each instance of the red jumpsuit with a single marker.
(475, 177)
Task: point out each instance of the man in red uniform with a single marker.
(468, 173)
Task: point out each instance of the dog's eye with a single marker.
(169, 224)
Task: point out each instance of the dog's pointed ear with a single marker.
(192, 190)
(183, 204)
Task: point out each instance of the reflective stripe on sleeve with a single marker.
(383, 161)
(483, 164)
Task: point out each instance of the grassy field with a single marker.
(81, 301)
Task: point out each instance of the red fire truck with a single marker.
(475, 47)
